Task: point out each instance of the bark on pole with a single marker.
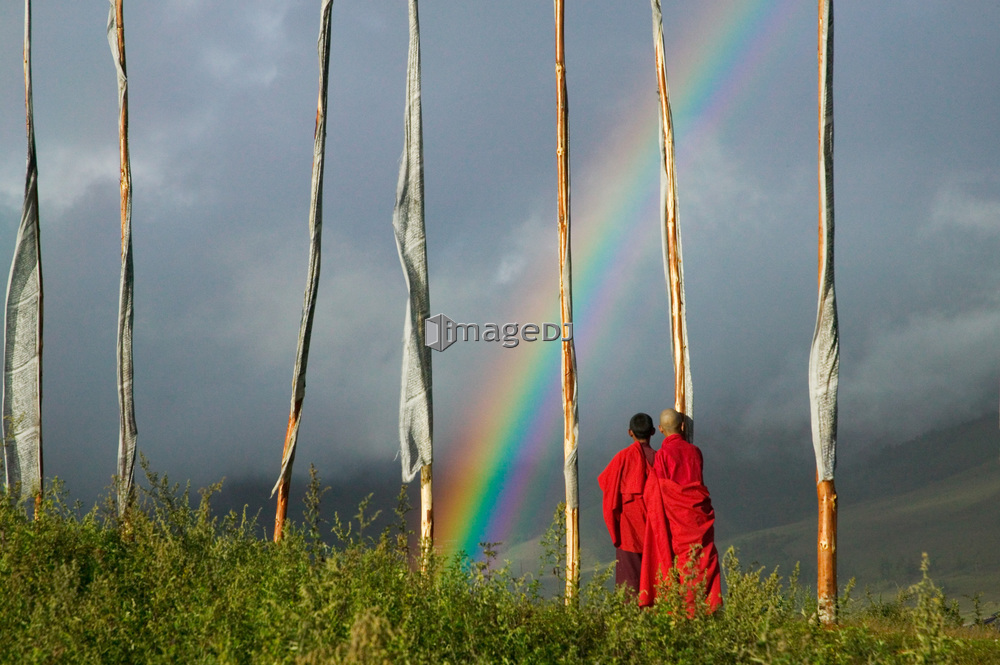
(826, 551)
(426, 514)
(22, 373)
(672, 257)
(824, 357)
(312, 277)
(281, 509)
(571, 417)
(127, 430)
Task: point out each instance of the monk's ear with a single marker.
(630, 434)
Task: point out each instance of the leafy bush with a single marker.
(170, 583)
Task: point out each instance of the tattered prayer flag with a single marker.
(673, 264)
(312, 277)
(416, 418)
(127, 429)
(824, 355)
(22, 372)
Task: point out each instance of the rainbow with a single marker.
(519, 414)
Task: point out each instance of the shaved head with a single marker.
(671, 422)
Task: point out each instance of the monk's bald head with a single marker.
(671, 422)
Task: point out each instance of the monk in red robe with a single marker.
(680, 522)
(622, 483)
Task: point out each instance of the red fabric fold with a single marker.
(622, 483)
(679, 518)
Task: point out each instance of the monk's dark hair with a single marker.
(641, 426)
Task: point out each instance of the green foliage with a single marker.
(169, 582)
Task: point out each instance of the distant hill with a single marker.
(939, 493)
(773, 490)
(880, 541)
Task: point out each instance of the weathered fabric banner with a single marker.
(127, 430)
(315, 234)
(673, 263)
(22, 370)
(824, 355)
(416, 417)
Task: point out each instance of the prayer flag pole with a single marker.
(312, 279)
(824, 355)
(673, 265)
(23, 330)
(571, 415)
(416, 421)
(127, 430)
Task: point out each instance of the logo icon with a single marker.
(439, 332)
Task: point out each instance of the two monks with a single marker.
(668, 494)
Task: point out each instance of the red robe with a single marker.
(679, 515)
(622, 483)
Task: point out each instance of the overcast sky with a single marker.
(222, 101)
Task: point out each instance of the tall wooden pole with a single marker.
(824, 357)
(672, 258)
(571, 416)
(127, 425)
(312, 277)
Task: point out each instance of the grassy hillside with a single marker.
(170, 583)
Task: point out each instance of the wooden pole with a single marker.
(123, 154)
(284, 484)
(426, 515)
(826, 552)
(673, 267)
(672, 262)
(127, 425)
(826, 493)
(312, 281)
(571, 417)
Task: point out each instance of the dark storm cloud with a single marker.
(223, 99)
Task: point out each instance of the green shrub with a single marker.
(169, 582)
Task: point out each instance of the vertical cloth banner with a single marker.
(127, 430)
(416, 417)
(315, 233)
(824, 354)
(673, 264)
(22, 371)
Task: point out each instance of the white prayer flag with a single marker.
(22, 375)
(824, 354)
(416, 417)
